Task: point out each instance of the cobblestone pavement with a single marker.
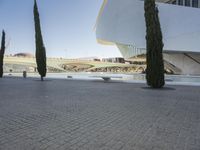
(93, 115)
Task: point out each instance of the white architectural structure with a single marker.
(122, 22)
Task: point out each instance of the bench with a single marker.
(106, 78)
(69, 77)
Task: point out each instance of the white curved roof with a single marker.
(122, 21)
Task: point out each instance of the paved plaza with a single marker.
(94, 115)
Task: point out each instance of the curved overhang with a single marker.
(103, 42)
(123, 22)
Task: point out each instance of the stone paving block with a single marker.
(89, 115)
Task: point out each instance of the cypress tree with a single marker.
(2, 51)
(40, 49)
(154, 46)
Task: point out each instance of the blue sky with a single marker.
(67, 27)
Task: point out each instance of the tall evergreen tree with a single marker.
(2, 51)
(40, 49)
(154, 46)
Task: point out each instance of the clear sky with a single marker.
(67, 27)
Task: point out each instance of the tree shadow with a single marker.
(159, 89)
(45, 80)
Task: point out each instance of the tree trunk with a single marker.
(154, 46)
(2, 51)
(40, 53)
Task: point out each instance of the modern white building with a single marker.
(122, 23)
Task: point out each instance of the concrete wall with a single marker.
(185, 62)
(123, 22)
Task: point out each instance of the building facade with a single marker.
(188, 3)
(122, 23)
(114, 60)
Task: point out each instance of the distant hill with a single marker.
(28, 55)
